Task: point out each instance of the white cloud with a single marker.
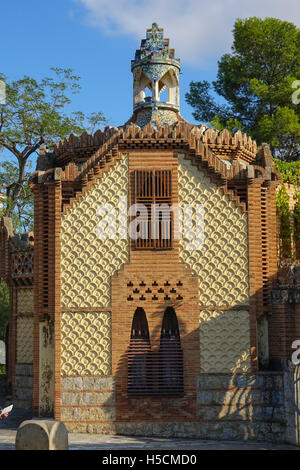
(199, 30)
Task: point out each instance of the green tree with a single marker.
(21, 208)
(255, 85)
(34, 114)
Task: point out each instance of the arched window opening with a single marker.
(171, 356)
(148, 93)
(142, 88)
(164, 95)
(168, 88)
(139, 356)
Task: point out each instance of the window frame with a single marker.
(154, 187)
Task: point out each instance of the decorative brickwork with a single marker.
(22, 264)
(284, 324)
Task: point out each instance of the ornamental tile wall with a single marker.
(87, 261)
(162, 116)
(222, 262)
(86, 343)
(25, 340)
(221, 265)
(224, 341)
(166, 117)
(25, 301)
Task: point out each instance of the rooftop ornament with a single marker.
(155, 70)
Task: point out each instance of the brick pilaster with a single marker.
(255, 261)
(55, 202)
(37, 295)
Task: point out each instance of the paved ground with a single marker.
(103, 442)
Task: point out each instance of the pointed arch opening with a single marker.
(171, 380)
(139, 356)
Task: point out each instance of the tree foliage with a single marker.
(34, 114)
(289, 218)
(21, 208)
(255, 85)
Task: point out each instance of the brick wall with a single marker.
(81, 284)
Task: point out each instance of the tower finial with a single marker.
(154, 70)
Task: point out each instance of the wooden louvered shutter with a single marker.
(170, 356)
(144, 194)
(139, 356)
(154, 187)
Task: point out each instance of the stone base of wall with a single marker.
(23, 387)
(87, 399)
(292, 403)
(230, 407)
(242, 406)
(256, 432)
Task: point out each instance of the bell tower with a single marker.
(155, 81)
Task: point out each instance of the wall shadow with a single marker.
(245, 404)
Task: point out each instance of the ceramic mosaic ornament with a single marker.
(155, 45)
(155, 68)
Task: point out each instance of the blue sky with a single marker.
(98, 39)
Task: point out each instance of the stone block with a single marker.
(278, 379)
(225, 413)
(91, 383)
(211, 381)
(277, 397)
(87, 413)
(98, 383)
(42, 435)
(88, 398)
(23, 404)
(23, 394)
(23, 381)
(24, 369)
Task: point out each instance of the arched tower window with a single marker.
(171, 356)
(139, 356)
